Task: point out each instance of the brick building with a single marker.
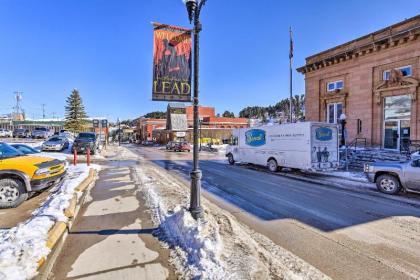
(211, 127)
(145, 127)
(374, 80)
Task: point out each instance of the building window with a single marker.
(406, 71)
(334, 111)
(331, 86)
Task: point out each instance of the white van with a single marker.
(311, 146)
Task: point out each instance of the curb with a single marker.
(58, 231)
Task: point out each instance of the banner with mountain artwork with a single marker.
(171, 63)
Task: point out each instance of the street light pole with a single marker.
(119, 132)
(194, 9)
(343, 141)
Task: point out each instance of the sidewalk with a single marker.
(112, 237)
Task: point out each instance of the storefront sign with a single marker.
(171, 64)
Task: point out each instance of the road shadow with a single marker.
(272, 197)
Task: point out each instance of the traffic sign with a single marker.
(104, 123)
(95, 123)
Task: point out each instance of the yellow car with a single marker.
(22, 174)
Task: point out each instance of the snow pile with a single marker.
(219, 248)
(23, 246)
(221, 148)
(350, 175)
(196, 252)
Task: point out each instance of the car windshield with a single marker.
(55, 139)
(41, 129)
(25, 149)
(7, 151)
(86, 136)
(19, 130)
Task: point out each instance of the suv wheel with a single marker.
(272, 165)
(231, 160)
(388, 184)
(12, 193)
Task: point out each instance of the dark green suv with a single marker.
(84, 141)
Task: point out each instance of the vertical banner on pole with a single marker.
(171, 63)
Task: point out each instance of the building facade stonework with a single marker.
(374, 80)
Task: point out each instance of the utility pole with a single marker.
(43, 111)
(18, 107)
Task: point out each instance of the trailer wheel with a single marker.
(272, 165)
(231, 160)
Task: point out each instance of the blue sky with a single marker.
(104, 49)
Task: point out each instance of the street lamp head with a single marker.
(343, 117)
(191, 7)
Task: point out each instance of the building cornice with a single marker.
(391, 40)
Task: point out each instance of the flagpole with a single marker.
(290, 76)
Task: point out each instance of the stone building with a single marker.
(374, 80)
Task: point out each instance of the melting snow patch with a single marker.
(197, 250)
(23, 246)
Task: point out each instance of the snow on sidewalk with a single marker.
(23, 246)
(219, 247)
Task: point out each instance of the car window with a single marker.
(55, 139)
(86, 136)
(416, 163)
(7, 151)
(25, 149)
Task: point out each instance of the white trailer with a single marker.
(311, 146)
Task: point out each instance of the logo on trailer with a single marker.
(323, 134)
(255, 137)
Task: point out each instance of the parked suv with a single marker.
(391, 177)
(85, 140)
(21, 133)
(22, 174)
(5, 133)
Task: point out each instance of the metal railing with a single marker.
(355, 143)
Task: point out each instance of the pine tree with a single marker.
(75, 112)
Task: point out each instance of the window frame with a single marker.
(335, 85)
(335, 110)
(388, 71)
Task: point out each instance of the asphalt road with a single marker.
(347, 234)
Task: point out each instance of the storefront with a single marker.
(397, 115)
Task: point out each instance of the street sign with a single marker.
(104, 123)
(95, 123)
